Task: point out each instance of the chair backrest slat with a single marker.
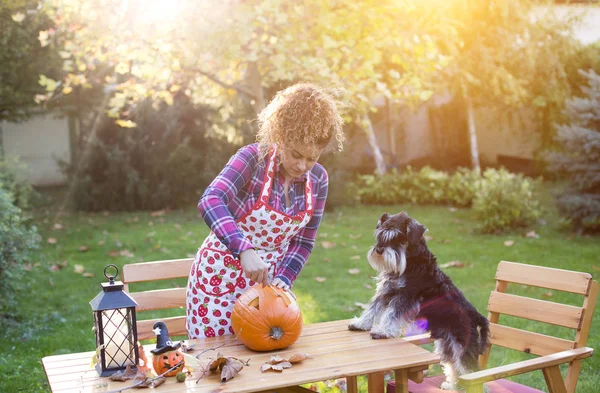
(544, 277)
(535, 310)
(158, 299)
(528, 342)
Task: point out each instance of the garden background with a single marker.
(481, 119)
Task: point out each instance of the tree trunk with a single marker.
(379, 162)
(254, 82)
(472, 136)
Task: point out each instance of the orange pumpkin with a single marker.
(166, 360)
(266, 318)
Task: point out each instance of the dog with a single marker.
(412, 288)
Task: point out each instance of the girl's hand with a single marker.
(280, 284)
(254, 267)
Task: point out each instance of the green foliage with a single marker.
(20, 190)
(578, 158)
(22, 58)
(462, 187)
(500, 199)
(17, 241)
(505, 200)
(165, 162)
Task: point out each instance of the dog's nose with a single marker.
(379, 250)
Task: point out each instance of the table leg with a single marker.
(401, 381)
(351, 384)
(376, 382)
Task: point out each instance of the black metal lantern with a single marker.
(115, 326)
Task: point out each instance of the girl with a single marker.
(264, 208)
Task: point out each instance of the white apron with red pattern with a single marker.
(216, 278)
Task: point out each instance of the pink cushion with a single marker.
(432, 385)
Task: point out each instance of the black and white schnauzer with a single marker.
(411, 287)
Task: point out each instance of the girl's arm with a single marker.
(213, 204)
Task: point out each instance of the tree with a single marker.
(579, 158)
(501, 51)
(366, 49)
(22, 59)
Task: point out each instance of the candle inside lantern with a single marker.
(118, 349)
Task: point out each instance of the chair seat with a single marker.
(432, 385)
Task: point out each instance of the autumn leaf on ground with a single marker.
(79, 269)
(101, 242)
(428, 238)
(126, 253)
(83, 248)
(327, 245)
(58, 226)
(547, 294)
(509, 243)
(57, 266)
(355, 257)
(355, 236)
(113, 253)
(532, 234)
(452, 264)
(368, 286)
(452, 209)
(320, 279)
(51, 240)
(326, 259)
(158, 213)
(354, 271)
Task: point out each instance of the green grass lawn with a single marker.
(55, 316)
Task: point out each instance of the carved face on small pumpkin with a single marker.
(164, 361)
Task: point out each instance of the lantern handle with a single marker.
(111, 279)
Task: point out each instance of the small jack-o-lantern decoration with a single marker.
(166, 356)
(266, 318)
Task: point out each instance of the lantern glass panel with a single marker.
(118, 338)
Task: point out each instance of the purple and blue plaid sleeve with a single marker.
(302, 244)
(213, 204)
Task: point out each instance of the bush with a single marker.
(505, 200)
(17, 241)
(462, 187)
(165, 162)
(21, 192)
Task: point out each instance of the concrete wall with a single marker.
(39, 143)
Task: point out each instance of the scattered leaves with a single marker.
(452, 264)
(509, 243)
(51, 240)
(277, 363)
(327, 244)
(229, 367)
(354, 271)
(532, 234)
(320, 279)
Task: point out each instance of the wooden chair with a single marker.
(552, 351)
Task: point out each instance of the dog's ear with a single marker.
(414, 231)
(383, 218)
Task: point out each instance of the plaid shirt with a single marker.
(236, 189)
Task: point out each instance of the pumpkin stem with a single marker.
(276, 333)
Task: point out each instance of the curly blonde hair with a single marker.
(302, 114)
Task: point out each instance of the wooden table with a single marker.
(336, 353)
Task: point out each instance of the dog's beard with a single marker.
(389, 261)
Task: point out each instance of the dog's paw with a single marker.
(378, 336)
(357, 325)
(448, 386)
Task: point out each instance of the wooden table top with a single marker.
(336, 352)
